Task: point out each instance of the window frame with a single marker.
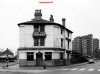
(36, 41)
(61, 42)
(68, 44)
(30, 55)
(42, 41)
(48, 54)
(36, 28)
(42, 28)
(61, 56)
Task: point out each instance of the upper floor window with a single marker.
(61, 31)
(38, 28)
(68, 34)
(36, 41)
(61, 42)
(39, 41)
(68, 44)
(42, 41)
(41, 28)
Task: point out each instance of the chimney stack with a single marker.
(51, 18)
(38, 15)
(63, 21)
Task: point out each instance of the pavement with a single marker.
(16, 68)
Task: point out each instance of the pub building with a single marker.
(44, 42)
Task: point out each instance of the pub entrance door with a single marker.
(39, 59)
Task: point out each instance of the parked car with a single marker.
(91, 61)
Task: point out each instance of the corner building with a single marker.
(44, 42)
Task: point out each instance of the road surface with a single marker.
(82, 69)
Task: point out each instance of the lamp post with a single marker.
(7, 58)
(97, 55)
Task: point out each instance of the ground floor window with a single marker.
(61, 56)
(48, 56)
(68, 55)
(30, 56)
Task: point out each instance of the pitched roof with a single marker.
(6, 52)
(34, 21)
(42, 22)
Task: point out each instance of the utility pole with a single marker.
(7, 58)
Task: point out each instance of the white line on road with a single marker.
(73, 69)
(29, 71)
(65, 69)
(90, 69)
(98, 70)
(82, 69)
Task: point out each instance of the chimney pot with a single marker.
(51, 18)
(63, 21)
(38, 14)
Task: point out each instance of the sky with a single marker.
(82, 17)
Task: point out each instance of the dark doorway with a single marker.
(39, 59)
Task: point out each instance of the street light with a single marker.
(7, 57)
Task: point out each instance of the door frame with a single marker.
(39, 59)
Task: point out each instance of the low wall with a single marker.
(53, 62)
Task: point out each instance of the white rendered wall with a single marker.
(49, 38)
(70, 45)
(57, 36)
(53, 36)
(26, 39)
(65, 55)
(28, 35)
(70, 35)
(22, 55)
(66, 34)
(22, 36)
(55, 55)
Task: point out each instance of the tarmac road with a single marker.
(81, 69)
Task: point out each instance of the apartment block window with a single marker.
(36, 41)
(41, 28)
(36, 28)
(61, 56)
(48, 56)
(42, 41)
(30, 56)
(61, 42)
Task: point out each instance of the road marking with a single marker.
(65, 69)
(82, 69)
(90, 69)
(74, 69)
(98, 70)
(29, 71)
